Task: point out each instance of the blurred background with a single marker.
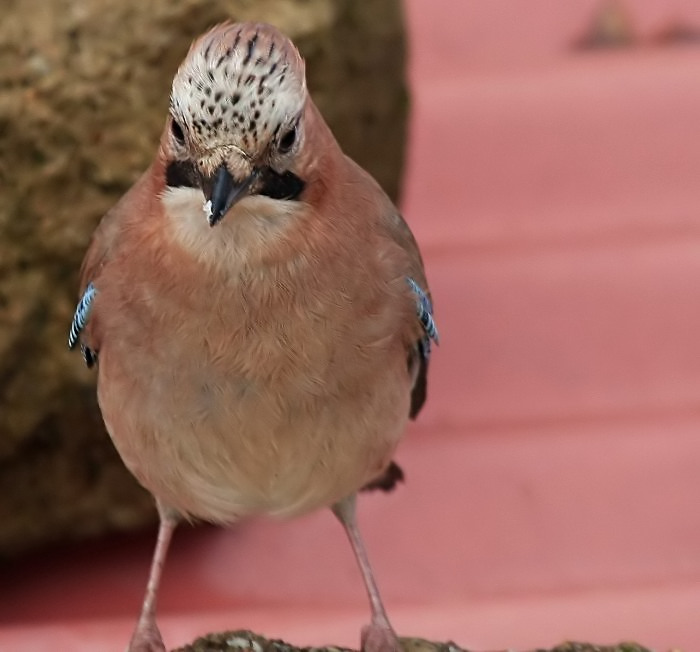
(546, 155)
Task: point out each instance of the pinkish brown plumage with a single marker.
(260, 312)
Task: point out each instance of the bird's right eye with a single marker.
(287, 141)
(178, 133)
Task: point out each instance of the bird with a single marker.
(257, 311)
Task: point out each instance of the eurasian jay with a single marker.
(257, 310)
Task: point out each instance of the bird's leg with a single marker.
(379, 635)
(146, 637)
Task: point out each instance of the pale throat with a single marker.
(245, 234)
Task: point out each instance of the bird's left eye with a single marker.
(178, 133)
(287, 141)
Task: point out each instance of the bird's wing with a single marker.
(427, 330)
(424, 314)
(99, 252)
(399, 231)
(80, 319)
(95, 258)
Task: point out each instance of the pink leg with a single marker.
(146, 637)
(378, 636)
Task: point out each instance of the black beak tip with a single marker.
(224, 192)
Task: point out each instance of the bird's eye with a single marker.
(287, 141)
(178, 133)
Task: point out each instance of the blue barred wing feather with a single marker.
(80, 319)
(424, 313)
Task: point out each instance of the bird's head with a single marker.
(236, 124)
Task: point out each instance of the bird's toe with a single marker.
(146, 638)
(379, 638)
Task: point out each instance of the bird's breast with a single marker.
(273, 389)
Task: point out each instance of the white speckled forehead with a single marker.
(239, 85)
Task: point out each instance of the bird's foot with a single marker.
(379, 637)
(146, 638)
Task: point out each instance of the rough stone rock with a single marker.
(247, 641)
(84, 88)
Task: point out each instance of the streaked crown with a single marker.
(240, 84)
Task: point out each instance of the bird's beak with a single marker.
(223, 191)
